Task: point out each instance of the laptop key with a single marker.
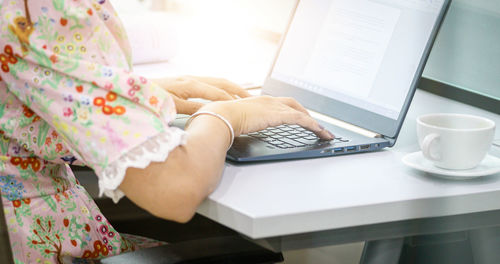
(293, 142)
(286, 129)
(275, 142)
(307, 141)
(311, 137)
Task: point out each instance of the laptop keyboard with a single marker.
(291, 136)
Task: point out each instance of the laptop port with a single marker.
(364, 147)
(338, 150)
(350, 149)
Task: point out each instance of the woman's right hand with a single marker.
(257, 113)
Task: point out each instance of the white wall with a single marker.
(263, 14)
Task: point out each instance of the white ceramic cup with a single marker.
(455, 141)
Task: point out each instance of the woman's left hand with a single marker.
(213, 89)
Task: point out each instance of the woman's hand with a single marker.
(258, 113)
(213, 89)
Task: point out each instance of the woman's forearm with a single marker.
(173, 189)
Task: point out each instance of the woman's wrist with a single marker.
(217, 116)
(229, 113)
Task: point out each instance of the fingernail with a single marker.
(332, 135)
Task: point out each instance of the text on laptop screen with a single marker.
(361, 52)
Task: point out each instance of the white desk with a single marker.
(307, 203)
(306, 196)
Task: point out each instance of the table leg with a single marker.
(387, 251)
(485, 245)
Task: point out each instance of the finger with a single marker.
(199, 89)
(185, 87)
(295, 117)
(228, 86)
(291, 102)
(186, 107)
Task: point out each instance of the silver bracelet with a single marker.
(231, 130)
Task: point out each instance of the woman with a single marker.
(68, 96)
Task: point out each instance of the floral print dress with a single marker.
(68, 96)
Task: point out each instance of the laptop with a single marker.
(355, 65)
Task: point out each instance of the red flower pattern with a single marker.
(59, 147)
(27, 111)
(107, 109)
(119, 110)
(16, 203)
(7, 58)
(48, 141)
(53, 58)
(153, 100)
(63, 21)
(25, 163)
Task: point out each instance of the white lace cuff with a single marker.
(155, 149)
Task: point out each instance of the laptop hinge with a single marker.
(344, 125)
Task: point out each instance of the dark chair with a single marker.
(227, 250)
(5, 251)
(223, 250)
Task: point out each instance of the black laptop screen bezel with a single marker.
(385, 126)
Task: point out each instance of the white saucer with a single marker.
(490, 165)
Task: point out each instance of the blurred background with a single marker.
(231, 39)
(237, 39)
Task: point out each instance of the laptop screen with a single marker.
(361, 52)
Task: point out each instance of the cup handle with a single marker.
(426, 147)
